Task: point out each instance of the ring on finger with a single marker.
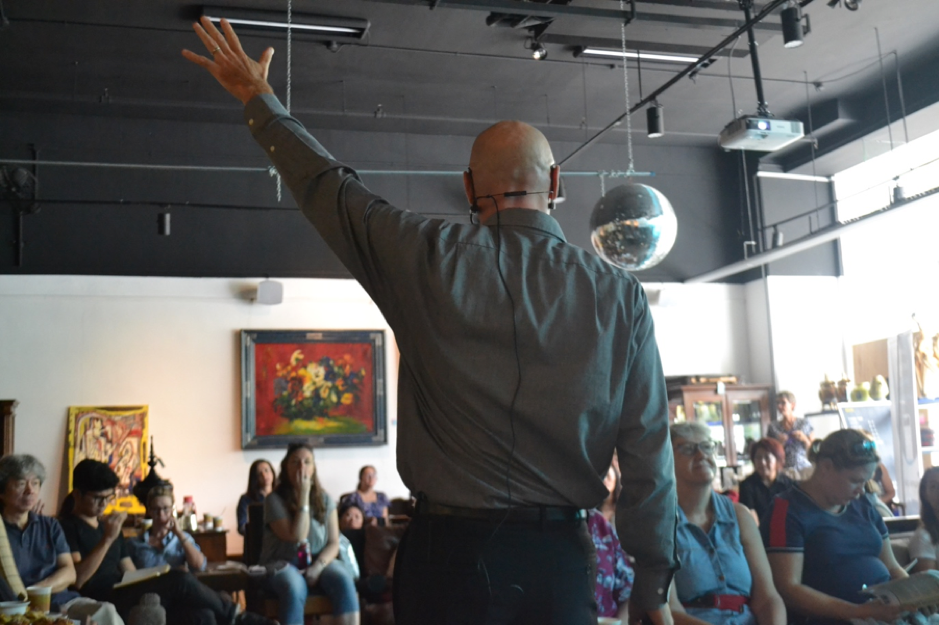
(217, 48)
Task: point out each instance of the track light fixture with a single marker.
(655, 120)
(851, 5)
(792, 27)
(538, 51)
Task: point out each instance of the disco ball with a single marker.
(633, 226)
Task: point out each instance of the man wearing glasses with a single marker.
(101, 559)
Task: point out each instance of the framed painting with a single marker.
(322, 387)
(117, 436)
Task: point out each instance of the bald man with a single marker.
(524, 361)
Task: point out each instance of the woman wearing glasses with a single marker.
(824, 539)
(724, 576)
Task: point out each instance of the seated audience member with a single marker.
(724, 578)
(614, 573)
(923, 543)
(101, 557)
(260, 484)
(767, 480)
(351, 517)
(825, 540)
(42, 555)
(372, 502)
(164, 542)
(300, 510)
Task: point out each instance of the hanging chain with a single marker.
(602, 184)
(629, 117)
(289, 71)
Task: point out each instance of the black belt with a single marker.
(518, 514)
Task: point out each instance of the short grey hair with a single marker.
(18, 466)
(689, 429)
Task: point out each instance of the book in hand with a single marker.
(140, 575)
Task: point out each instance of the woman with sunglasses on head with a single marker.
(825, 541)
(724, 577)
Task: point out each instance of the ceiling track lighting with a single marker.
(318, 27)
(655, 120)
(631, 54)
(851, 5)
(538, 51)
(793, 28)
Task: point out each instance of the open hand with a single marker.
(241, 76)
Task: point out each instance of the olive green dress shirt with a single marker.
(486, 313)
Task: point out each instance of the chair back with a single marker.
(254, 533)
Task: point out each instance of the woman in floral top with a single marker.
(614, 573)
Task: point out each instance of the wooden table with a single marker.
(229, 579)
(212, 544)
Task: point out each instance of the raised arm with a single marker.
(86, 567)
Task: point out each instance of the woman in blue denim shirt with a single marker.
(724, 577)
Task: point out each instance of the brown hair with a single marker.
(254, 480)
(845, 448)
(770, 446)
(286, 490)
(160, 490)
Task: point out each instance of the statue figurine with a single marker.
(828, 394)
(843, 385)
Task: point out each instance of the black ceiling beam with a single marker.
(696, 4)
(538, 9)
(701, 22)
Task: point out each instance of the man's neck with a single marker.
(19, 519)
(90, 520)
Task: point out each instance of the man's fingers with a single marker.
(206, 38)
(197, 59)
(232, 39)
(265, 60)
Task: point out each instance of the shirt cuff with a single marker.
(650, 588)
(261, 110)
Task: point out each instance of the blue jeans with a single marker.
(290, 586)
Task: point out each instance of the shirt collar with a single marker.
(528, 218)
(719, 516)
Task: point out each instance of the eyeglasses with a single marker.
(100, 499)
(690, 449)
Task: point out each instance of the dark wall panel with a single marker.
(78, 236)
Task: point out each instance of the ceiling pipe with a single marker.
(920, 205)
(769, 8)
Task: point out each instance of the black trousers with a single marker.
(456, 571)
(186, 599)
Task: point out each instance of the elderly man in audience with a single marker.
(724, 578)
(825, 540)
(37, 542)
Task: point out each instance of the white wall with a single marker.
(172, 343)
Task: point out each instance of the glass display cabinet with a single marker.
(737, 415)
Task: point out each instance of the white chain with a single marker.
(629, 117)
(289, 71)
(602, 184)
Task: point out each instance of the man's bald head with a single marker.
(511, 156)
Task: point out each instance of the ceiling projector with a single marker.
(760, 133)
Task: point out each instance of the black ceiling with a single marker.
(435, 68)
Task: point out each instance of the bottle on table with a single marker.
(188, 520)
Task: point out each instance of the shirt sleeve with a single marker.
(242, 513)
(784, 532)
(59, 541)
(71, 535)
(646, 512)
(274, 509)
(189, 539)
(921, 545)
(360, 227)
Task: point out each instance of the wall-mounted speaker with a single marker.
(270, 292)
